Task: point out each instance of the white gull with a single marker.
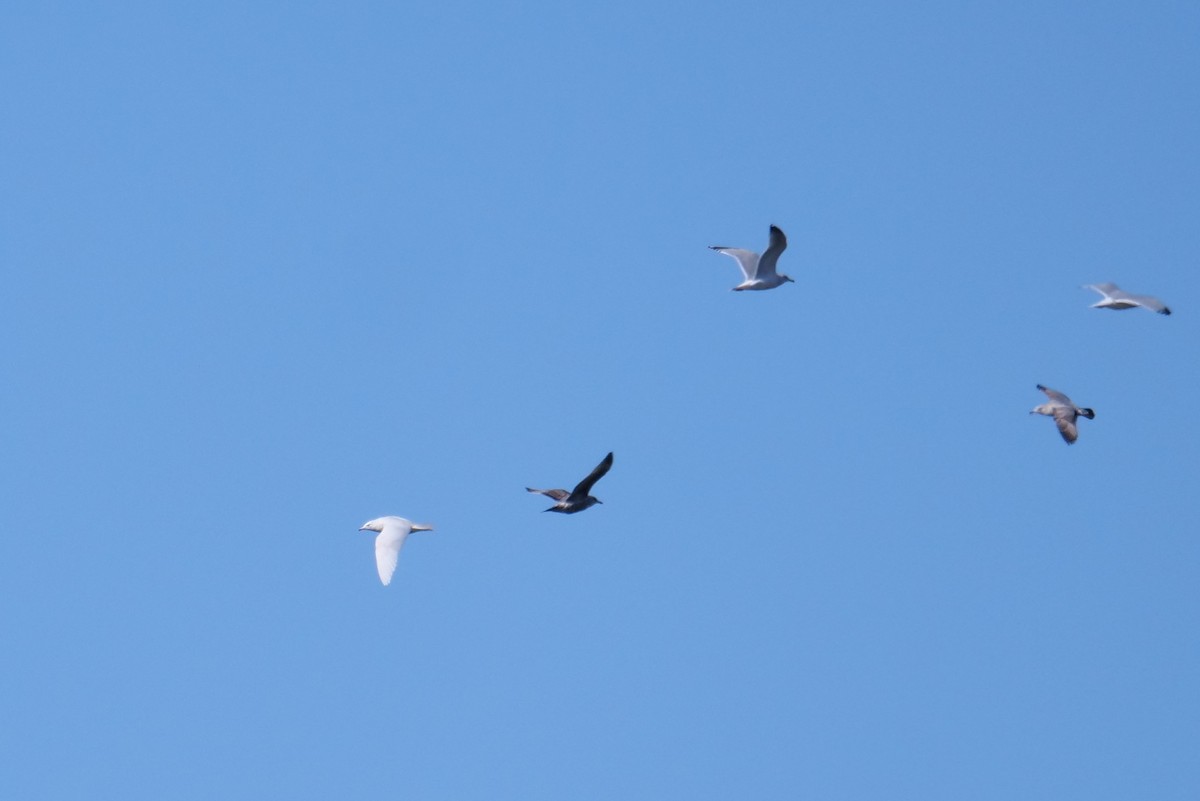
(393, 531)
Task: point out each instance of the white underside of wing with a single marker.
(387, 552)
(746, 259)
(1104, 289)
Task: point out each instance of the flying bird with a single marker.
(1117, 299)
(579, 498)
(393, 531)
(1064, 411)
(759, 271)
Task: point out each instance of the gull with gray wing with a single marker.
(759, 271)
(1065, 413)
(579, 498)
(1116, 298)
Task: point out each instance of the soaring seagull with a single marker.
(759, 271)
(393, 531)
(577, 499)
(1117, 298)
(1064, 411)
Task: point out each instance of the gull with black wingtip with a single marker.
(579, 498)
(1117, 299)
(759, 271)
(1065, 413)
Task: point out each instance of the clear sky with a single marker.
(274, 269)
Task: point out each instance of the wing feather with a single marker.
(770, 256)
(556, 494)
(387, 551)
(747, 259)
(1104, 289)
(1065, 420)
(1056, 396)
(1149, 302)
(583, 488)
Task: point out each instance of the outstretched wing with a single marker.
(1151, 303)
(746, 259)
(1056, 396)
(1064, 418)
(387, 551)
(766, 264)
(1106, 290)
(556, 494)
(583, 488)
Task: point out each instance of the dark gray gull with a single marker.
(1117, 299)
(759, 271)
(577, 499)
(393, 531)
(1065, 413)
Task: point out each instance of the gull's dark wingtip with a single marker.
(1165, 311)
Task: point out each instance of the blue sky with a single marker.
(275, 270)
